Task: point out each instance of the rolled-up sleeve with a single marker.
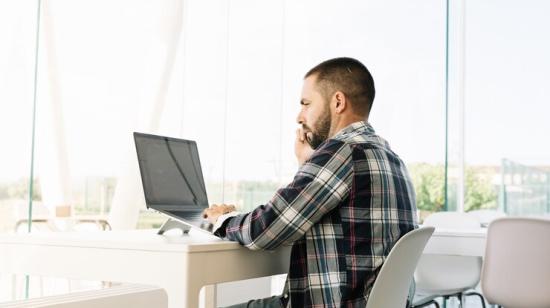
(319, 186)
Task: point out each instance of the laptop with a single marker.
(172, 179)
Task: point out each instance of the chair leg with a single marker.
(461, 299)
(447, 297)
(426, 304)
(478, 295)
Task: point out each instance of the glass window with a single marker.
(17, 58)
(98, 83)
(249, 80)
(506, 107)
(229, 73)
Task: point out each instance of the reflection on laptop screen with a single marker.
(171, 173)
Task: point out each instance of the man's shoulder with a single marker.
(363, 140)
(330, 149)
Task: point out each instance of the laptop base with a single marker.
(170, 224)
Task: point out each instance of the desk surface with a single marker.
(443, 241)
(480, 233)
(457, 242)
(146, 240)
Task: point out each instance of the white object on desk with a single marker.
(181, 265)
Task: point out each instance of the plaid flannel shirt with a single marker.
(343, 212)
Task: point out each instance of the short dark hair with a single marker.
(349, 76)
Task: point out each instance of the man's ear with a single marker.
(339, 101)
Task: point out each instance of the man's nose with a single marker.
(300, 118)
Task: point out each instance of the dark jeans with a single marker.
(270, 302)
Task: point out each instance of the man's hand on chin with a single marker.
(302, 149)
(216, 211)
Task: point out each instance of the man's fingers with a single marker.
(300, 134)
(228, 208)
(217, 209)
(309, 135)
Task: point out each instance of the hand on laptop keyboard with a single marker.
(216, 211)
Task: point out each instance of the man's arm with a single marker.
(218, 214)
(320, 185)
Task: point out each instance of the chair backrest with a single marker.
(516, 270)
(443, 274)
(391, 287)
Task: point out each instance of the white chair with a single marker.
(447, 276)
(516, 270)
(391, 287)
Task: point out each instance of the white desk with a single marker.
(457, 242)
(174, 263)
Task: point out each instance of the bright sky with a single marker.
(108, 72)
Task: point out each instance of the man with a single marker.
(349, 202)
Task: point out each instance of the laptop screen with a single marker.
(171, 173)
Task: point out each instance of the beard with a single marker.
(320, 131)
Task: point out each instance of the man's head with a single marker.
(335, 94)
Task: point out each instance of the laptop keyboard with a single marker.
(193, 216)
